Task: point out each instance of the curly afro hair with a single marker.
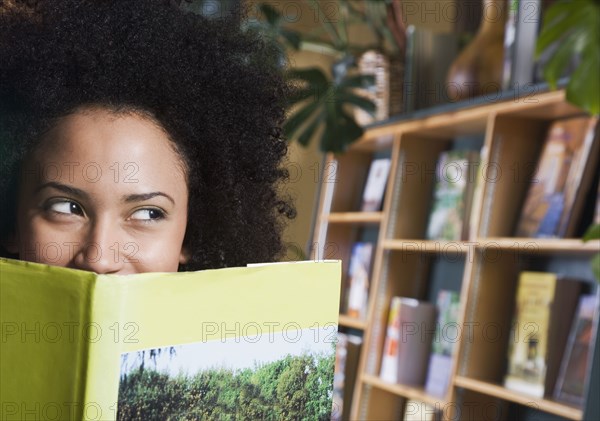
(207, 83)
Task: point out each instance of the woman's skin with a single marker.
(103, 192)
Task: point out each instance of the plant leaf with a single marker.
(292, 37)
(592, 233)
(584, 86)
(340, 131)
(300, 95)
(313, 75)
(566, 16)
(554, 67)
(294, 122)
(595, 262)
(309, 131)
(358, 81)
(357, 100)
(271, 14)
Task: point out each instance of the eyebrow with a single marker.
(140, 197)
(74, 191)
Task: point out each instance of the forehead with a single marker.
(96, 145)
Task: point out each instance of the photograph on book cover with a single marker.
(267, 375)
(79, 324)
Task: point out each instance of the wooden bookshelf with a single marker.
(510, 134)
(355, 217)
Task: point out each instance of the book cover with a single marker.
(575, 367)
(565, 170)
(389, 358)
(447, 333)
(358, 273)
(417, 327)
(155, 346)
(375, 185)
(453, 188)
(544, 309)
(346, 364)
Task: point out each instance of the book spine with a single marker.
(389, 359)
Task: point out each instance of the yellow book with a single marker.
(544, 309)
(81, 346)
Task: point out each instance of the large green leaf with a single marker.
(307, 134)
(357, 100)
(357, 81)
(557, 28)
(271, 14)
(559, 61)
(294, 122)
(572, 27)
(592, 233)
(584, 87)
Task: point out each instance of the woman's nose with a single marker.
(101, 251)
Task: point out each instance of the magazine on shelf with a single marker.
(408, 341)
(452, 199)
(562, 179)
(346, 365)
(358, 274)
(447, 333)
(375, 186)
(190, 345)
(545, 305)
(574, 374)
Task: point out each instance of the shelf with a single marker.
(355, 217)
(469, 116)
(409, 392)
(510, 131)
(352, 322)
(540, 245)
(501, 392)
(428, 246)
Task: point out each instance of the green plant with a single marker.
(322, 103)
(572, 27)
(593, 233)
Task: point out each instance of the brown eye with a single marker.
(67, 207)
(147, 214)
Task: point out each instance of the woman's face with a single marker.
(106, 193)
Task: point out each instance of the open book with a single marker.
(253, 342)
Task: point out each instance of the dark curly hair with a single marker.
(207, 83)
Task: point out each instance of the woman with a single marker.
(138, 138)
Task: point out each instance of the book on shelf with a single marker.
(573, 377)
(415, 410)
(453, 195)
(375, 185)
(389, 358)
(77, 345)
(545, 304)
(408, 341)
(346, 365)
(520, 35)
(447, 333)
(358, 276)
(471, 228)
(562, 179)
